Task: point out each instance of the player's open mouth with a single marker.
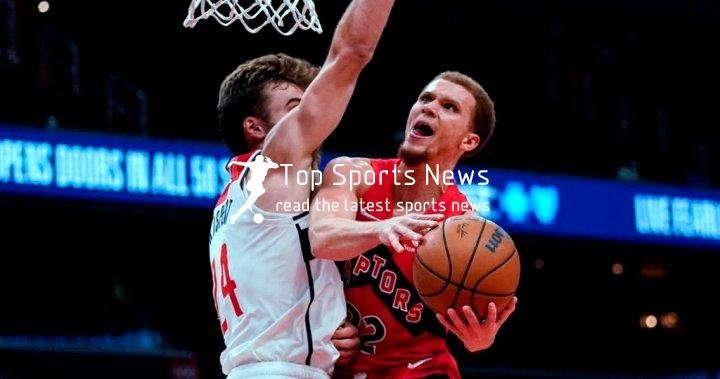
(422, 130)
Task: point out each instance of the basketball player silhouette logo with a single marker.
(259, 168)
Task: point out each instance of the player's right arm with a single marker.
(334, 231)
(325, 101)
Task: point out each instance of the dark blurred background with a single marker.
(616, 90)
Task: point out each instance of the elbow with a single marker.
(319, 242)
(352, 54)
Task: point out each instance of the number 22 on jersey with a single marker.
(227, 285)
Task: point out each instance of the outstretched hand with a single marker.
(408, 227)
(477, 335)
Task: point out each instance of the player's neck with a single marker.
(429, 181)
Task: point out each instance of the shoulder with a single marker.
(349, 164)
(348, 173)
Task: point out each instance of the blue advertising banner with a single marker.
(106, 167)
(109, 167)
(580, 207)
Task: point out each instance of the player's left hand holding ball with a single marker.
(477, 335)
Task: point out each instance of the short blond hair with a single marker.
(483, 121)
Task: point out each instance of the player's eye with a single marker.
(425, 98)
(450, 107)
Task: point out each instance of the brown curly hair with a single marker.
(242, 93)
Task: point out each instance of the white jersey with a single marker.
(278, 306)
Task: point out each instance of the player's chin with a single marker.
(412, 149)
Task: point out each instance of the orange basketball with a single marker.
(466, 261)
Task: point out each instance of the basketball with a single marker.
(466, 261)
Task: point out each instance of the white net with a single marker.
(285, 15)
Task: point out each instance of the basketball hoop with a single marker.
(286, 15)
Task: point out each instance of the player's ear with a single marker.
(254, 128)
(470, 142)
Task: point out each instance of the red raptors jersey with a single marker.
(400, 336)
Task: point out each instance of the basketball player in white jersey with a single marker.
(278, 306)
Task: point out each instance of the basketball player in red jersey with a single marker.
(279, 307)
(400, 337)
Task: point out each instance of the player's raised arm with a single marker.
(334, 232)
(323, 104)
